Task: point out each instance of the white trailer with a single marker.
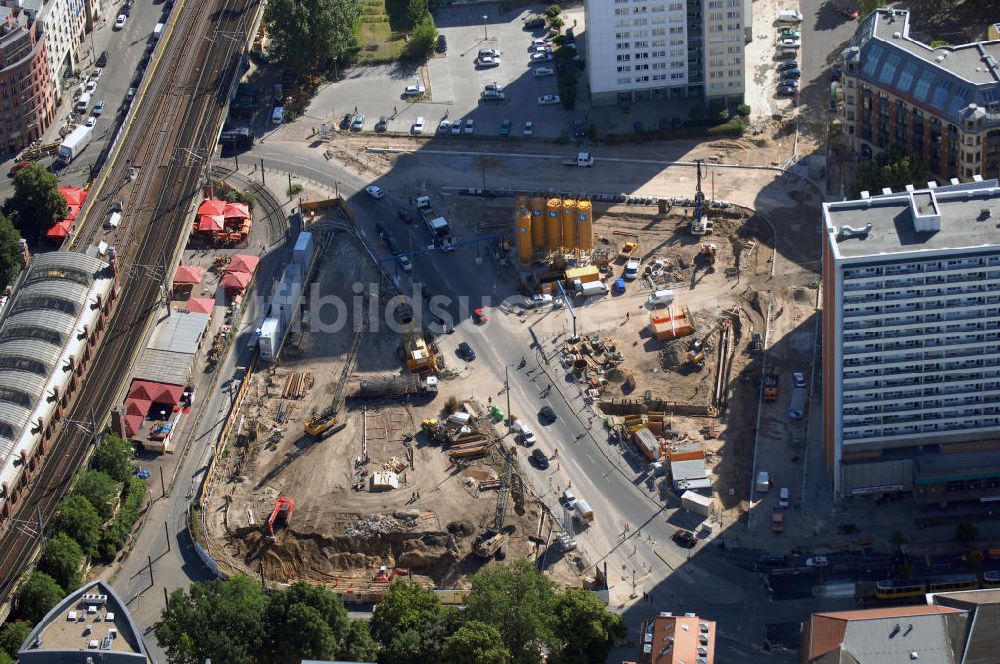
(75, 143)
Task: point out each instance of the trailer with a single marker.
(697, 503)
(391, 386)
(75, 143)
(583, 511)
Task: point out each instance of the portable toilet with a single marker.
(524, 248)
(537, 205)
(584, 226)
(553, 225)
(568, 223)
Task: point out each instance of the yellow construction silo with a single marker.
(524, 249)
(584, 226)
(553, 225)
(521, 201)
(568, 223)
(537, 221)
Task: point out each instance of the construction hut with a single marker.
(568, 223)
(670, 323)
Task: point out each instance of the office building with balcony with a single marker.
(911, 343)
(658, 50)
(939, 103)
(26, 103)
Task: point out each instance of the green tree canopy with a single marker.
(220, 619)
(422, 643)
(12, 635)
(422, 38)
(10, 252)
(78, 519)
(114, 456)
(308, 35)
(100, 490)
(36, 203)
(866, 7)
(315, 615)
(406, 606)
(893, 167)
(415, 11)
(37, 597)
(585, 626)
(6, 659)
(61, 560)
(519, 601)
(359, 646)
(475, 643)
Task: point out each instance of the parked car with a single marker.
(579, 130)
(789, 16)
(817, 561)
(487, 62)
(785, 66)
(456, 127)
(540, 459)
(382, 124)
(540, 57)
(142, 474)
(346, 122)
(470, 125)
(359, 123)
(799, 378)
(405, 263)
(529, 128)
(375, 191)
(543, 71)
(442, 44)
(90, 86)
(98, 107)
(684, 538)
(787, 89)
(443, 127)
(541, 41)
(848, 12)
(791, 73)
(91, 121)
(505, 128)
(16, 167)
(414, 90)
(790, 43)
(783, 497)
(465, 351)
(788, 33)
(120, 21)
(548, 100)
(540, 48)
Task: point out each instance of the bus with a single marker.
(897, 588)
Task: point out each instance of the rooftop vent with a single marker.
(897, 35)
(931, 184)
(914, 655)
(886, 191)
(851, 231)
(909, 628)
(984, 213)
(865, 195)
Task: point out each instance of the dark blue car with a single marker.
(791, 73)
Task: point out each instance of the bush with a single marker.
(553, 10)
(100, 489)
(556, 22)
(743, 110)
(114, 537)
(723, 116)
(422, 38)
(294, 189)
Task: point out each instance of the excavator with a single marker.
(282, 510)
(493, 540)
(386, 575)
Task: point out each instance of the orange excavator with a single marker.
(386, 575)
(282, 510)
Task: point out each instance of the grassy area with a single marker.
(382, 30)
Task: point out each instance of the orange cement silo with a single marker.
(524, 249)
(537, 222)
(553, 225)
(568, 223)
(584, 226)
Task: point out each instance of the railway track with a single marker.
(168, 139)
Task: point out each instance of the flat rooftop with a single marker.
(963, 216)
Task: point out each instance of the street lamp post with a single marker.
(486, 34)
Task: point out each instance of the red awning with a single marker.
(73, 195)
(236, 211)
(187, 275)
(236, 280)
(211, 222)
(133, 423)
(159, 393)
(243, 263)
(141, 389)
(212, 207)
(200, 305)
(137, 406)
(59, 230)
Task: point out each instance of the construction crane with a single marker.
(493, 540)
(323, 422)
(699, 226)
(282, 510)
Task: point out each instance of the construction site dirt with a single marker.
(374, 496)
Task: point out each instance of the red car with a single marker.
(18, 166)
(848, 12)
(480, 316)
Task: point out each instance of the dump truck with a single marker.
(583, 159)
(627, 250)
(770, 386)
(75, 143)
(777, 520)
(391, 386)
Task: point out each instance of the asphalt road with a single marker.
(824, 34)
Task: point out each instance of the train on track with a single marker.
(891, 589)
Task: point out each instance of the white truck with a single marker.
(584, 159)
(436, 224)
(75, 143)
(592, 288)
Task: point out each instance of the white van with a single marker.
(157, 31)
(83, 103)
(278, 115)
(659, 297)
(789, 16)
(418, 126)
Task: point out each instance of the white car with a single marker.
(526, 434)
(405, 263)
(541, 57)
(120, 21)
(470, 125)
(91, 85)
(529, 128)
(541, 48)
(790, 43)
(488, 61)
(541, 41)
(799, 378)
(414, 90)
(375, 191)
(444, 127)
(817, 561)
(456, 127)
(789, 16)
(543, 71)
(548, 100)
(91, 121)
(489, 53)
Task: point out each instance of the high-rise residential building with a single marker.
(656, 50)
(941, 103)
(911, 343)
(64, 24)
(26, 102)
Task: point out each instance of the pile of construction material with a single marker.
(591, 359)
(297, 385)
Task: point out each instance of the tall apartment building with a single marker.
(911, 343)
(64, 23)
(656, 50)
(26, 103)
(942, 103)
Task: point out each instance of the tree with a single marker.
(553, 10)
(308, 35)
(114, 456)
(965, 532)
(475, 643)
(100, 490)
(519, 601)
(358, 646)
(422, 37)
(422, 643)
(12, 635)
(37, 597)
(78, 519)
(415, 11)
(866, 7)
(406, 606)
(893, 167)
(743, 110)
(587, 629)
(315, 615)
(36, 203)
(10, 252)
(6, 659)
(61, 560)
(220, 619)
